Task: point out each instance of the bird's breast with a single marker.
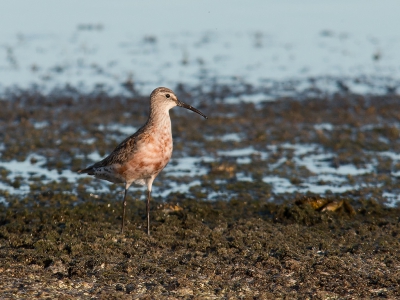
(151, 156)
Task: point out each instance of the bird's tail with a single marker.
(88, 171)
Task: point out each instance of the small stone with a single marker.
(129, 288)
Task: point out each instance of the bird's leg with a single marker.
(148, 211)
(123, 210)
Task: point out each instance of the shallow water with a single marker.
(323, 177)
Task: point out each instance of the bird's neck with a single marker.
(159, 119)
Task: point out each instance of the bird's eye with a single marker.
(167, 95)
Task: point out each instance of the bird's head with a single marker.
(166, 98)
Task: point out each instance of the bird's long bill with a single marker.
(187, 106)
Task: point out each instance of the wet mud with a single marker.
(59, 238)
(237, 249)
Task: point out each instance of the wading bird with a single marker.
(143, 155)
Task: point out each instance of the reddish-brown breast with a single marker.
(153, 153)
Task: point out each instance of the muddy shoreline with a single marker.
(198, 249)
(228, 230)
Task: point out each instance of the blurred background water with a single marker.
(125, 45)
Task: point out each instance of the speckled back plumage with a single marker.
(120, 154)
